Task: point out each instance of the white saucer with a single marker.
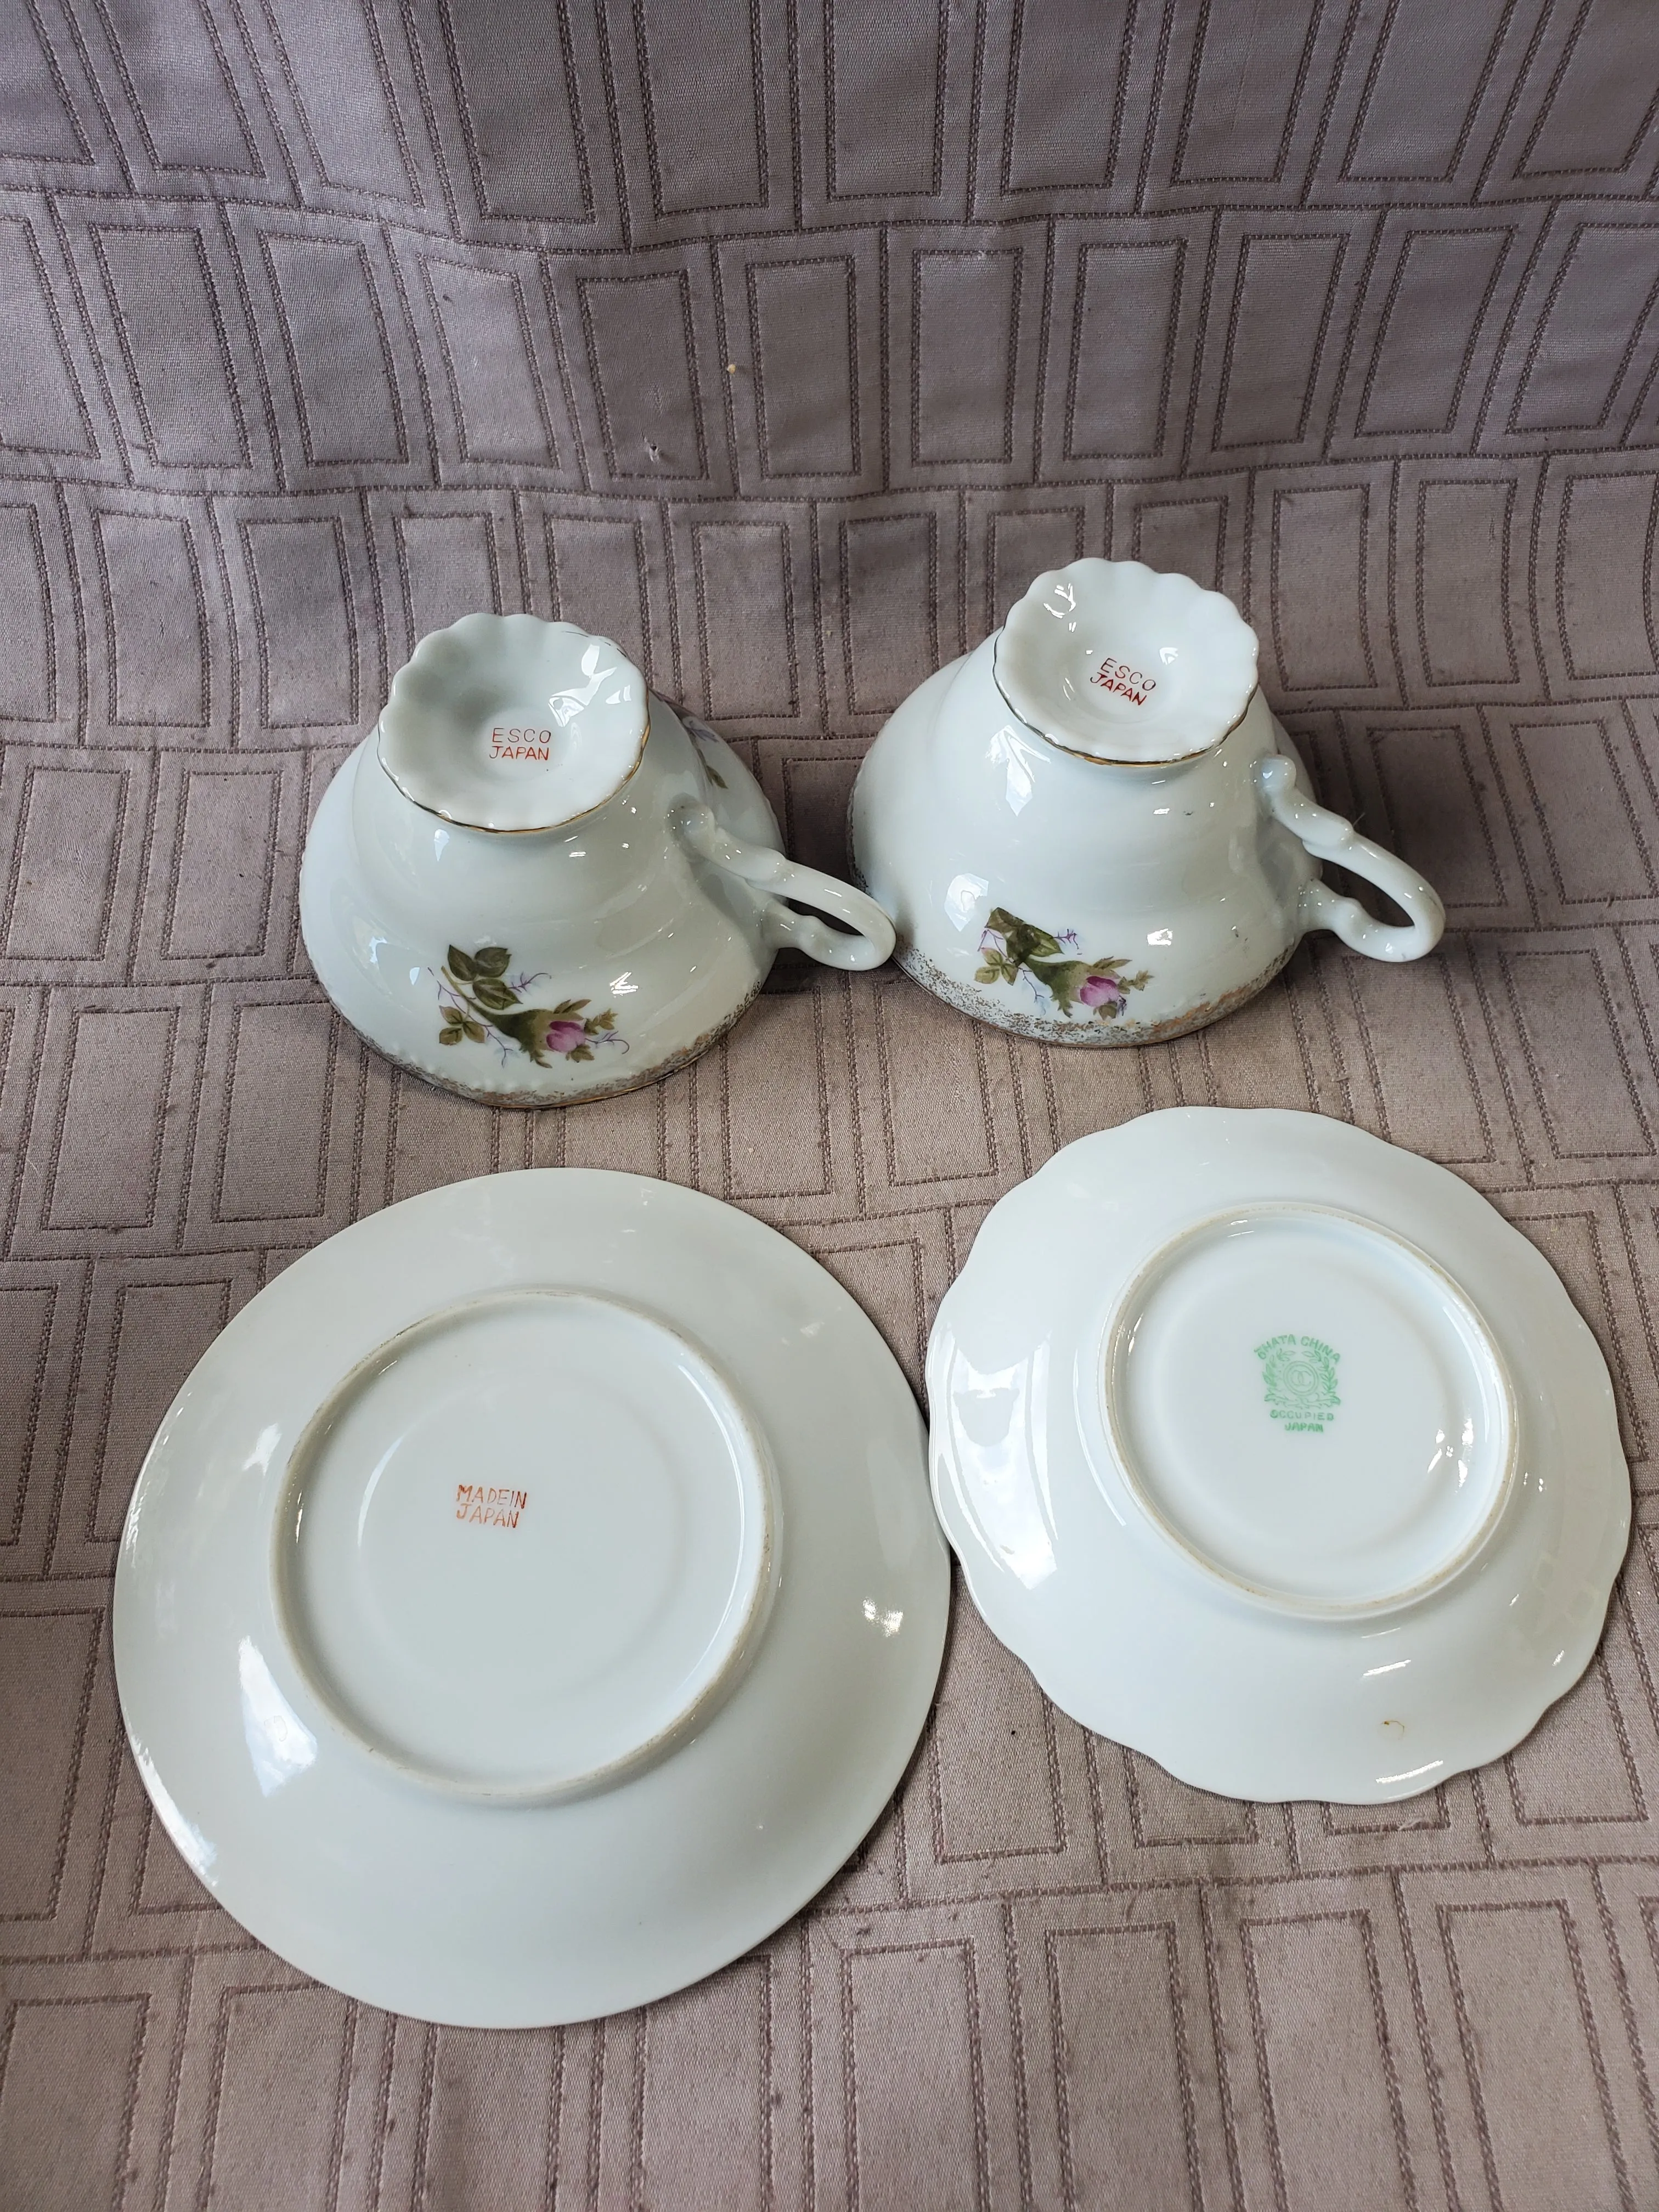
(1278, 1454)
(532, 1598)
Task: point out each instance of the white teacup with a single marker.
(1092, 830)
(534, 883)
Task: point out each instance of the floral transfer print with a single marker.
(1299, 1378)
(477, 1001)
(1054, 967)
(707, 743)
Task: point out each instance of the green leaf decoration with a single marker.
(1063, 978)
(488, 1001)
(1024, 941)
(1044, 958)
(528, 1030)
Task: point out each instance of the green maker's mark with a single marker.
(1298, 1374)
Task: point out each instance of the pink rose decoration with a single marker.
(1101, 990)
(565, 1037)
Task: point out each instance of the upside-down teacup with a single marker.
(535, 883)
(1093, 829)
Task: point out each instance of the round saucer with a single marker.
(530, 1598)
(1277, 1454)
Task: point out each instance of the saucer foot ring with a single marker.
(1277, 1454)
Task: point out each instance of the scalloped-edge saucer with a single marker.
(1278, 1454)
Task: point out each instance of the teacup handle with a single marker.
(1331, 837)
(767, 870)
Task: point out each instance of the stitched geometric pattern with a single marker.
(785, 345)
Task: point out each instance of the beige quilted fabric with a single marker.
(787, 343)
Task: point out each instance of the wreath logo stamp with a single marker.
(1299, 1376)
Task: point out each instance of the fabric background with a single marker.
(785, 343)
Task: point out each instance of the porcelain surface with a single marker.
(1277, 1454)
(532, 1598)
(1090, 900)
(1113, 661)
(576, 910)
(508, 722)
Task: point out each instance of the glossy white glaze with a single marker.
(508, 722)
(1086, 901)
(561, 1757)
(1111, 660)
(596, 953)
(1277, 1454)
(1326, 1481)
(523, 1622)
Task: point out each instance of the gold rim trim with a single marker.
(529, 830)
(1110, 760)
